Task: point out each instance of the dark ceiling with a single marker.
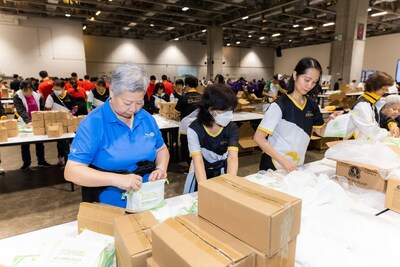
(165, 19)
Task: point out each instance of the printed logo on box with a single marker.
(354, 172)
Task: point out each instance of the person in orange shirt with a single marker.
(87, 84)
(150, 86)
(79, 94)
(46, 86)
(168, 86)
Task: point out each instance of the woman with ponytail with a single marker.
(284, 132)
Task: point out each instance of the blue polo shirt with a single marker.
(107, 143)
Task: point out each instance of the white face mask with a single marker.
(57, 92)
(223, 119)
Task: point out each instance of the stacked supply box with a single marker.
(54, 123)
(393, 195)
(38, 127)
(192, 241)
(265, 219)
(3, 134)
(11, 126)
(167, 110)
(132, 239)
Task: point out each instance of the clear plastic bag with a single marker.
(147, 197)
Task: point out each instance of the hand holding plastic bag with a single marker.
(147, 197)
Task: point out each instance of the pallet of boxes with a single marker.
(54, 123)
(8, 128)
(167, 110)
(239, 223)
(245, 99)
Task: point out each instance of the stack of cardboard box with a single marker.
(246, 142)
(54, 123)
(11, 129)
(244, 99)
(240, 223)
(9, 108)
(167, 110)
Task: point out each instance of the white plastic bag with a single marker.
(342, 126)
(147, 197)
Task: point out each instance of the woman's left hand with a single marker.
(335, 114)
(157, 174)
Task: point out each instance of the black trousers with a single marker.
(185, 148)
(63, 149)
(26, 154)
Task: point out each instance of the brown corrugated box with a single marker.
(192, 241)
(393, 195)
(152, 263)
(361, 175)
(284, 258)
(132, 239)
(167, 107)
(54, 130)
(3, 134)
(246, 134)
(263, 218)
(37, 116)
(39, 131)
(98, 218)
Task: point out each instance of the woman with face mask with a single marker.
(212, 137)
(61, 100)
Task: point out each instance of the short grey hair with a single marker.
(392, 99)
(128, 77)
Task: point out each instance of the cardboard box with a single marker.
(11, 124)
(72, 129)
(392, 201)
(39, 131)
(167, 107)
(12, 133)
(249, 108)
(5, 93)
(192, 241)
(98, 217)
(246, 134)
(284, 258)
(151, 263)
(263, 218)
(37, 116)
(54, 130)
(132, 238)
(9, 108)
(241, 104)
(61, 115)
(38, 124)
(3, 134)
(49, 116)
(361, 175)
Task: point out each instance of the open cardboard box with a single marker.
(362, 175)
(246, 133)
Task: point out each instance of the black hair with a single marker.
(302, 66)
(101, 83)
(153, 78)
(191, 81)
(217, 97)
(59, 83)
(43, 74)
(86, 77)
(94, 79)
(74, 85)
(25, 85)
(74, 74)
(158, 86)
(179, 81)
(219, 78)
(164, 77)
(15, 76)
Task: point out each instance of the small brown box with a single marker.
(54, 131)
(37, 116)
(11, 124)
(61, 115)
(71, 129)
(47, 116)
(12, 133)
(65, 129)
(75, 121)
(39, 131)
(38, 124)
(3, 134)
(68, 122)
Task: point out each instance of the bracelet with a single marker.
(161, 169)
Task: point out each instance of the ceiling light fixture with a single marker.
(308, 28)
(296, 25)
(185, 8)
(84, 27)
(228, 44)
(98, 12)
(264, 20)
(245, 17)
(262, 37)
(328, 24)
(369, 9)
(68, 15)
(151, 25)
(176, 39)
(238, 42)
(92, 18)
(276, 35)
(249, 36)
(379, 14)
(126, 28)
(132, 24)
(204, 30)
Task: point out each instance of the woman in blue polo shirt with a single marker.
(116, 140)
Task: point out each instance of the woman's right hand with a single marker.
(130, 181)
(288, 166)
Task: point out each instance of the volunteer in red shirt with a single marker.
(87, 84)
(168, 86)
(79, 94)
(150, 86)
(46, 86)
